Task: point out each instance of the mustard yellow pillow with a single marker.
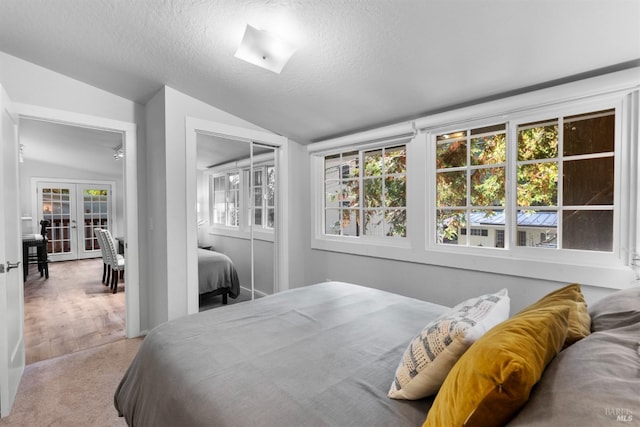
(579, 318)
(493, 379)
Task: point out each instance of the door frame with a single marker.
(130, 147)
(195, 126)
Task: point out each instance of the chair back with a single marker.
(43, 228)
(103, 246)
(110, 244)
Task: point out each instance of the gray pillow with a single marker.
(616, 310)
(594, 382)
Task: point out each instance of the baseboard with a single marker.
(259, 294)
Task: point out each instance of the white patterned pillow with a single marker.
(431, 354)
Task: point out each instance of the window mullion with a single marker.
(510, 186)
(560, 202)
(468, 204)
(361, 196)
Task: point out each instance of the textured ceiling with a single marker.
(359, 63)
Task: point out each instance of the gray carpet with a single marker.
(73, 390)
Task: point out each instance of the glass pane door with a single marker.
(57, 205)
(95, 203)
(73, 211)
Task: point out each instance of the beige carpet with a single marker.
(73, 390)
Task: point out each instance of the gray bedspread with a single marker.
(322, 355)
(216, 271)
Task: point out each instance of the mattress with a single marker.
(216, 271)
(322, 355)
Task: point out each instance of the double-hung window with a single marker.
(365, 192)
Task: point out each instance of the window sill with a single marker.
(578, 270)
(236, 233)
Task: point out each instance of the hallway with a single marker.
(70, 311)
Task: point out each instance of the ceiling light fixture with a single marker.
(260, 48)
(118, 152)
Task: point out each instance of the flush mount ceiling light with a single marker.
(118, 152)
(264, 50)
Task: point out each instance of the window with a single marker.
(572, 157)
(563, 181)
(225, 197)
(231, 192)
(263, 193)
(470, 182)
(540, 185)
(365, 193)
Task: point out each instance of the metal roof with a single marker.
(525, 219)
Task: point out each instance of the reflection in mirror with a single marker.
(236, 220)
(263, 202)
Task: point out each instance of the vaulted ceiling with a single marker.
(359, 64)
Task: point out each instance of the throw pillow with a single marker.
(579, 318)
(432, 353)
(494, 377)
(616, 310)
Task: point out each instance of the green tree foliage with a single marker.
(479, 162)
(384, 188)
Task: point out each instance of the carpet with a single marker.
(73, 390)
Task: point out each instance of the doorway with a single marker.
(73, 210)
(128, 197)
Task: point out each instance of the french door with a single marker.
(73, 211)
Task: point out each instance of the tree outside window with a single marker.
(365, 193)
(564, 183)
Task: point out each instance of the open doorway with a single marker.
(66, 148)
(65, 173)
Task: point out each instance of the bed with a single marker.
(217, 275)
(326, 354)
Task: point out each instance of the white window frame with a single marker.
(512, 250)
(263, 169)
(243, 230)
(227, 190)
(613, 270)
(324, 241)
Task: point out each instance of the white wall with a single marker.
(442, 285)
(27, 83)
(31, 84)
(155, 201)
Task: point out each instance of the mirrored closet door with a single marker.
(236, 209)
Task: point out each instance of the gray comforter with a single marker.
(216, 271)
(322, 355)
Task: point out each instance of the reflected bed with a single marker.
(217, 275)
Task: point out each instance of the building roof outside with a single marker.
(525, 219)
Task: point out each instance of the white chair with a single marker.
(106, 267)
(116, 261)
